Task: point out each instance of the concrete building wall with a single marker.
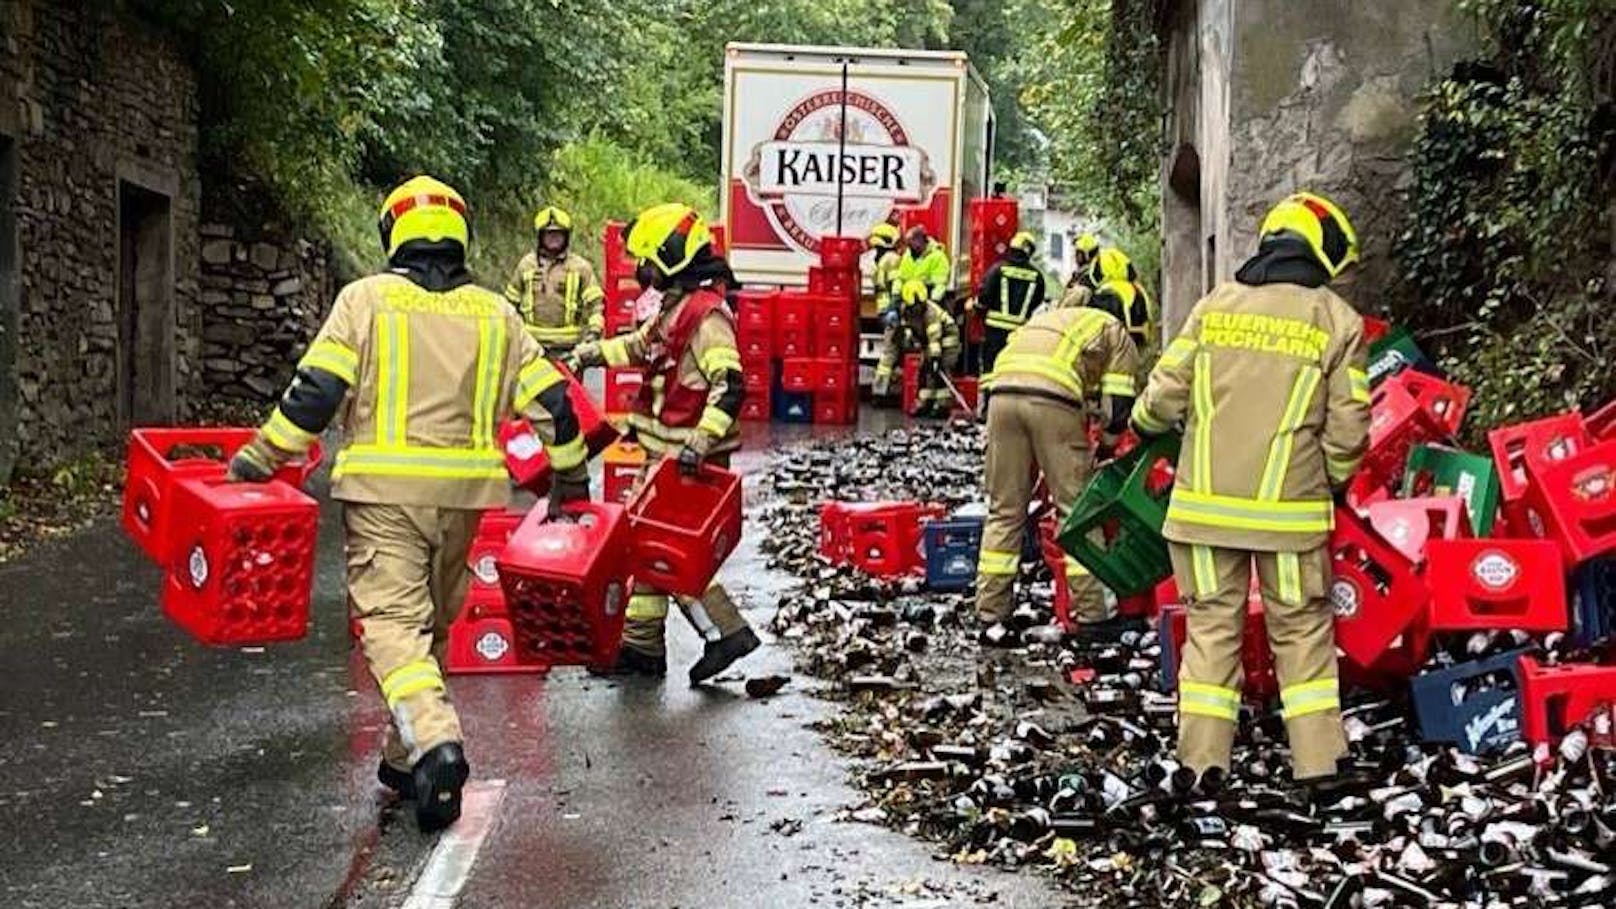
(100, 115)
(1295, 94)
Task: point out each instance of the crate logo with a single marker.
(793, 176)
(1345, 598)
(486, 570)
(492, 646)
(1594, 484)
(1497, 725)
(198, 565)
(1495, 570)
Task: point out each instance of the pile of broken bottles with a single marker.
(1059, 754)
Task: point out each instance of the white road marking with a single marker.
(449, 866)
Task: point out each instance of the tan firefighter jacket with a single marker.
(1069, 354)
(711, 361)
(1270, 383)
(430, 377)
(939, 329)
(560, 300)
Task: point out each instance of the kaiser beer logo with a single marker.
(1594, 484)
(486, 570)
(794, 175)
(1495, 570)
(492, 646)
(198, 565)
(1345, 598)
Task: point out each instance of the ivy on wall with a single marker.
(1510, 239)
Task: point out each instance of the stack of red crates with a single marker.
(808, 340)
(993, 223)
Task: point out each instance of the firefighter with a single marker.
(884, 241)
(925, 320)
(419, 365)
(1037, 418)
(923, 260)
(1083, 250)
(688, 408)
(1269, 379)
(1012, 290)
(555, 289)
(1115, 287)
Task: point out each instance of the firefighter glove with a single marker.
(249, 467)
(694, 453)
(567, 488)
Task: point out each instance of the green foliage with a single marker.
(1508, 238)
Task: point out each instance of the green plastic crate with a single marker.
(1394, 353)
(1436, 470)
(1132, 556)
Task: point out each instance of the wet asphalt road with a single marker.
(138, 769)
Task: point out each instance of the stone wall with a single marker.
(1298, 94)
(263, 297)
(101, 115)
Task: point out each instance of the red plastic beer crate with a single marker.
(1446, 401)
(241, 561)
(1376, 592)
(1556, 699)
(756, 345)
(1374, 329)
(837, 377)
(793, 342)
(1574, 503)
(159, 458)
(843, 284)
(567, 584)
(493, 532)
(1397, 423)
(755, 406)
(1602, 423)
(754, 310)
(1522, 450)
(836, 340)
(793, 312)
(618, 308)
(622, 391)
(967, 387)
(799, 374)
(889, 541)
(840, 253)
(1055, 560)
(836, 408)
(615, 257)
(684, 527)
(1259, 682)
(756, 379)
(911, 382)
(1483, 585)
(482, 638)
(994, 218)
(1410, 524)
(621, 465)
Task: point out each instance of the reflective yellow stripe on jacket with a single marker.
(998, 316)
(1061, 367)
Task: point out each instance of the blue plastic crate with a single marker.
(1474, 705)
(952, 547)
(1167, 675)
(1593, 601)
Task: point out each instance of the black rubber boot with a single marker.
(719, 655)
(631, 662)
(400, 781)
(440, 774)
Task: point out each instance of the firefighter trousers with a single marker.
(713, 614)
(1025, 434)
(887, 365)
(407, 578)
(1301, 630)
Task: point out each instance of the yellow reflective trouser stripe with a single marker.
(393, 377)
(537, 377)
(412, 678)
(997, 562)
(1146, 420)
(1284, 441)
(1201, 392)
(490, 354)
(414, 461)
(615, 352)
(1310, 697)
(1177, 352)
(646, 607)
(286, 435)
(567, 455)
(1076, 569)
(1049, 368)
(1360, 384)
(333, 357)
(715, 422)
(1214, 701)
(1205, 570)
(1290, 577)
(1249, 514)
(718, 359)
(570, 311)
(1008, 321)
(1117, 383)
